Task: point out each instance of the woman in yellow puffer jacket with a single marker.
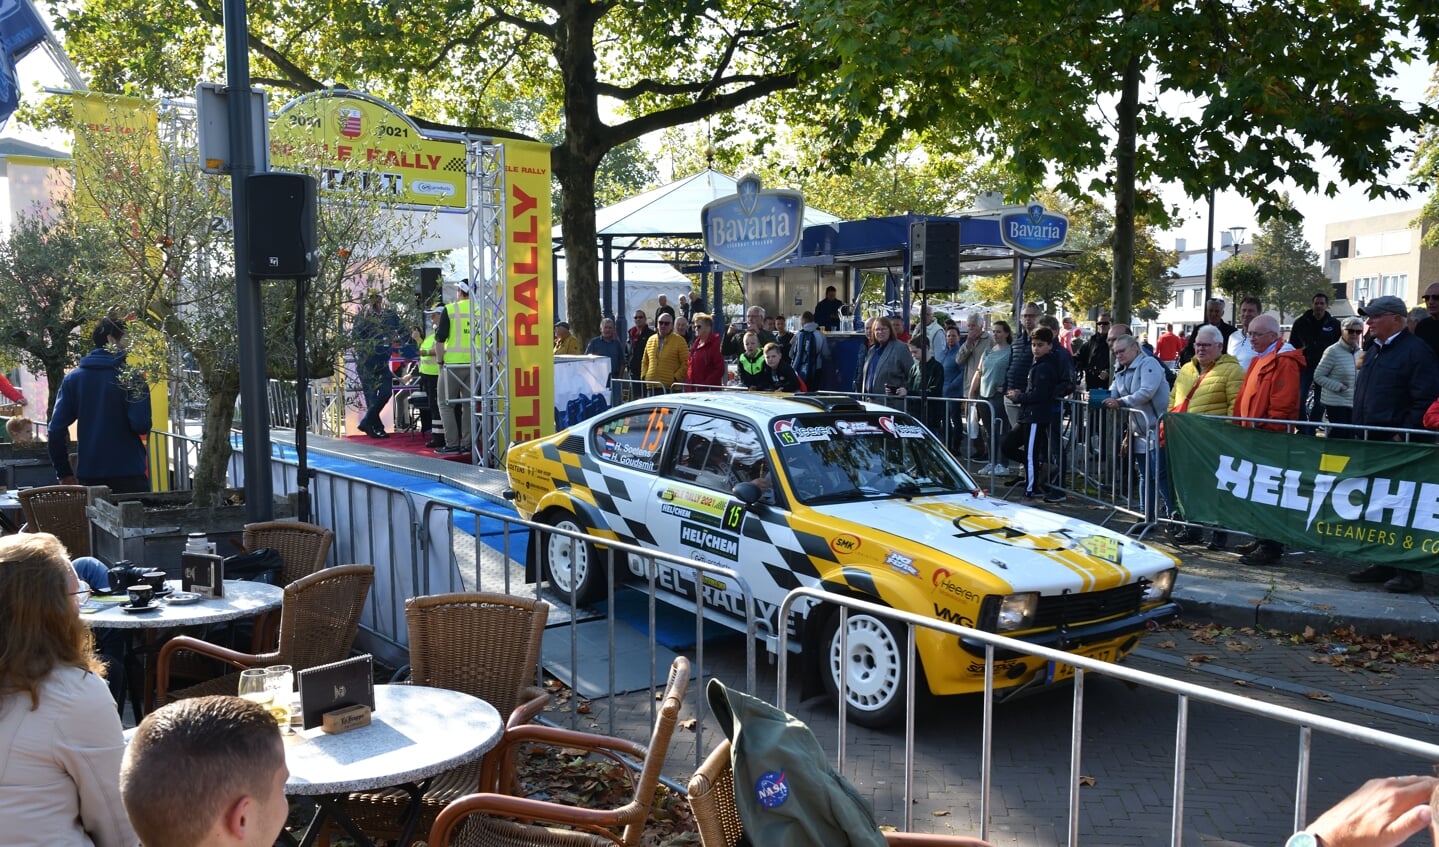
(1208, 384)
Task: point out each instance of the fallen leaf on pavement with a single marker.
(940, 813)
(1320, 696)
(1087, 781)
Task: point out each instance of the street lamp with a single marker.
(1236, 238)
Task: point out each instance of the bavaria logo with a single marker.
(752, 228)
(1034, 232)
(771, 790)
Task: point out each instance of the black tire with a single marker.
(875, 689)
(571, 564)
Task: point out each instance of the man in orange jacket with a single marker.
(1271, 391)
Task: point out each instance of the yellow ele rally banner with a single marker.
(529, 290)
(113, 134)
(358, 144)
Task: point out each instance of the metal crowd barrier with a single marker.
(1183, 691)
(416, 538)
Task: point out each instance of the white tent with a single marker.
(647, 276)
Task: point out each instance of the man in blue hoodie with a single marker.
(113, 415)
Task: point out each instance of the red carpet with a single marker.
(404, 442)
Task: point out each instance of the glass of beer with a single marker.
(280, 680)
(254, 686)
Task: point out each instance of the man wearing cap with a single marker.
(565, 343)
(376, 332)
(1398, 381)
(454, 343)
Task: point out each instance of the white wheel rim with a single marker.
(872, 669)
(569, 560)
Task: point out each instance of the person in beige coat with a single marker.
(60, 737)
(1336, 375)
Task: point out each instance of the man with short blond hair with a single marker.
(206, 771)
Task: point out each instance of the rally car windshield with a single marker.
(840, 458)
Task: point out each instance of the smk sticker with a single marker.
(772, 790)
(903, 564)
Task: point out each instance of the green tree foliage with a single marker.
(1426, 167)
(1240, 277)
(658, 64)
(1290, 268)
(1091, 233)
(1264, 91)
(52, 268)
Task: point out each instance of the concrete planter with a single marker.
(150, 529)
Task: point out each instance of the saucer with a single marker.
(180, 598)
(164, 592)
(153, 607)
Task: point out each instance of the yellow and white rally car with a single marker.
(858, 499)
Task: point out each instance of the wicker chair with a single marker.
(711, 793)
(486, 645)
(472, 821)
(318, 621)
(60, 511)
(303, 546)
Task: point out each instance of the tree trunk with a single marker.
(582, 289)
(54, 375)
(576, 159)
(215, 447)
(1121, 292)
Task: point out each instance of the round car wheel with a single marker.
(873, 668)
(572, 565)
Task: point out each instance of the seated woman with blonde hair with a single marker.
(60, 738)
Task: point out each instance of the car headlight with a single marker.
(1160, 586)
(1016, 611)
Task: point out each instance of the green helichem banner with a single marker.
(1372, 502)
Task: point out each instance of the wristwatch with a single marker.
(1304, 839)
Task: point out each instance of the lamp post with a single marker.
(1236, 237)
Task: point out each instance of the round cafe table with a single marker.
(242, 600)
(416, 732)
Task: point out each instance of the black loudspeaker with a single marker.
(427, 285)
(934, 256)
(282, 226)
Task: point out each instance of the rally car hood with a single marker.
(1030, 549)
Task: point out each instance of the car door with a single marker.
(694, 513)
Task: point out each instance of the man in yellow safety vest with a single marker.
(454, 346)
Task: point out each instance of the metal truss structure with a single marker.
(489, 356)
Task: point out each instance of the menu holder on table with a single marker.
(202, 573)
(336, 686)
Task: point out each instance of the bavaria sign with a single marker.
(752, 228)
(1033, 231)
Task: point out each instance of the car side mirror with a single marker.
(748, 493)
